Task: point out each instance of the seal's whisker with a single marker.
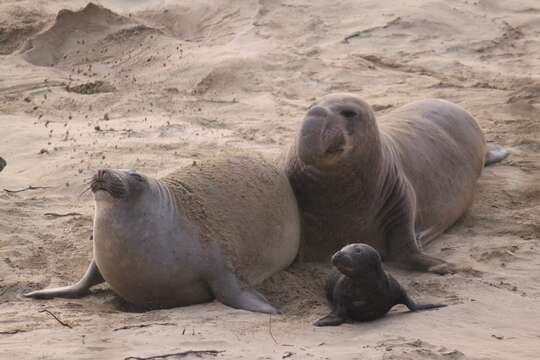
(85, 190)
(89, 180)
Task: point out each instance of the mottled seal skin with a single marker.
(396, 183)
(361, 290)
(210, 231)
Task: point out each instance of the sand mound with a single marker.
(80, 36)
(18, 24)
(212, 21)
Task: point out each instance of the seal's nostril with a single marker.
(336, 257)
(317, 111)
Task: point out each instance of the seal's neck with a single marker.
(373, 280)
(143, 214)
(351, 181)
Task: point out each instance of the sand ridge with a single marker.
(153, 85)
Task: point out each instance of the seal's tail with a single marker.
(495, 153)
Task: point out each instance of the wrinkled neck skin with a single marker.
(153, 212)
(372, 279)
(356, 176)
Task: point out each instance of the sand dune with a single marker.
(152, 85)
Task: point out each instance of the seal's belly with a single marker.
(155, 271)
(441, 150)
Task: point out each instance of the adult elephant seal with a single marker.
(394, 184)
(207, 231)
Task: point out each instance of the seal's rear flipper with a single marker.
(331, 319)
(413, 306)
(495, 153)
(91, 277)
(226, 289)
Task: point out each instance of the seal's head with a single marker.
(358, 261)
(115, 186)
(336, 127)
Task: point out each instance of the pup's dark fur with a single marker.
(362, 290)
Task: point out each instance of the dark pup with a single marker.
(362, 290)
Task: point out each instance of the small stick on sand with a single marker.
(26, 188)
(179, 354)
(270, 329)
(143, 326)
(56, 318)
(11, 332)
(56, 215)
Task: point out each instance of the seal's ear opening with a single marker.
(136, 183)
(138, 177)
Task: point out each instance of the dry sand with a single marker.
(151, 85)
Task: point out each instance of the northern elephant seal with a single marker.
(211, 230)
(394, 184)
(361, 290)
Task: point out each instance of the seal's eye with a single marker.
(348, 114)
(137, 176)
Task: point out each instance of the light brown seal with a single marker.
(395, 184)
(208, 231)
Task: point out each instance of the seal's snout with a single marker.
(317, 111)
(333, 140)
(321, 137)
(338, 258)
(99, 180)
(310, 142)
(109, 181)
(343, 262)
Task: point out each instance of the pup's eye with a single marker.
(349, 114)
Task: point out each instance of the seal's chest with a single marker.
(363, 302)
(339, 230)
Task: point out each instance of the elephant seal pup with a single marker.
(396, 183)
(362, 290)
(3, 163)
(211, 230)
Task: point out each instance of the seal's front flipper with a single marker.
(81, 288)
(426, 263)
(332, 319)
(494, 154)
(226, 289)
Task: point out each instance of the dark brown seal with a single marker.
(362, 290)
(395, 184)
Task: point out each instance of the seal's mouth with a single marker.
(343, 263)
(335, 145)
(108, 181)
(322, 142)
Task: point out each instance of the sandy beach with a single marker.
(154, 85)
